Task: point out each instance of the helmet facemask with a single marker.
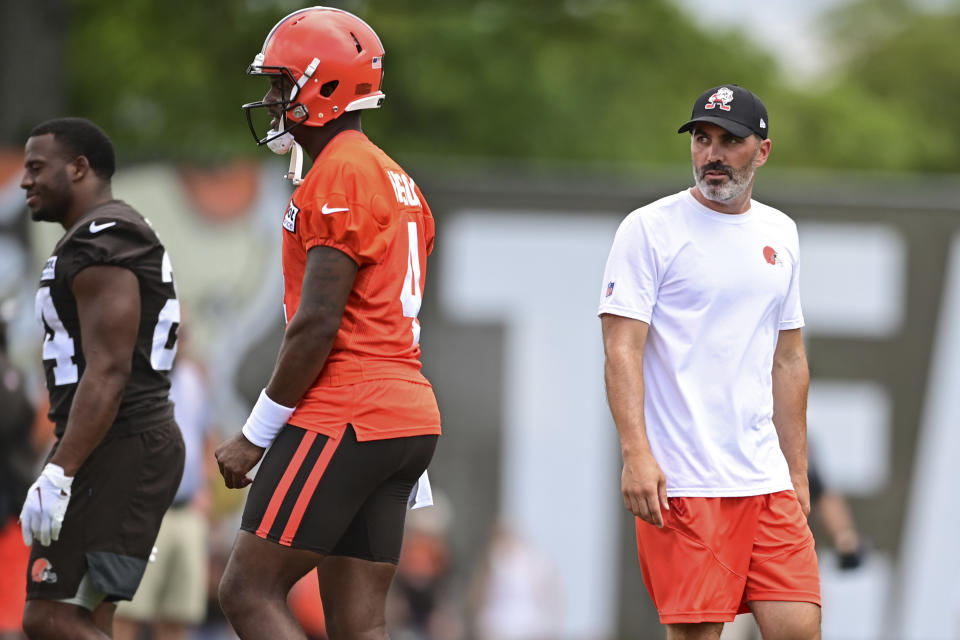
(289, 112)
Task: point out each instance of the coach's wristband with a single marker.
(265, 421)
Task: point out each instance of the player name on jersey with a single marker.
(404, 189)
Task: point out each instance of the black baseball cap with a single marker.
(732, 107)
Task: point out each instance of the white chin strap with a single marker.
(283, 144)
(296, 165)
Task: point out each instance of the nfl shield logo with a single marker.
(290, 217)
(609, 290)
(49, 269)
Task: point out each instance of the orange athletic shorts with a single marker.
(714, 555)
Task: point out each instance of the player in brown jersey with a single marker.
(107, 302)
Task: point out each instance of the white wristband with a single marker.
(265, 421)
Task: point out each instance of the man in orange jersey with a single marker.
(350, 421)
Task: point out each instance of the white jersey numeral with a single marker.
(410, 295)
(161, 357)
(166, 268)
(59, 346)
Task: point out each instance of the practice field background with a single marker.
(532, 129)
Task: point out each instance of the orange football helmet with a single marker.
(333, 61)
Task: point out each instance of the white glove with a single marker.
(45, 506)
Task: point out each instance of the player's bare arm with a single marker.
(791, 379)
(310, 334)
(108, 306)
(327, 283)
(642, 483)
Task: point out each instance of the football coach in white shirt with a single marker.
(707, 383)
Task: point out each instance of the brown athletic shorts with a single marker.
(336, 496)
(117, 502)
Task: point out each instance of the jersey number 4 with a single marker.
(411, 296)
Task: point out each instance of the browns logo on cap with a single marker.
(732, 107)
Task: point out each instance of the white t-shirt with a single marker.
(716, 290)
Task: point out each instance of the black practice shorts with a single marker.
(336, 497)
(118, 499)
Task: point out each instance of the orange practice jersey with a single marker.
(357, 200)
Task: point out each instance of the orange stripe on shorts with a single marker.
(281, 491)
(307, 492)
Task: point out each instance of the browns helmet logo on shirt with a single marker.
(42, 571)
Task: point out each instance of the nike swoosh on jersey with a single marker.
(325, 210)
(97, 228)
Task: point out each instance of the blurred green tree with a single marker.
(901, 57)
(166, 79)
(603, 82)
(581, 81)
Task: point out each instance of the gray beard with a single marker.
(730, 190)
